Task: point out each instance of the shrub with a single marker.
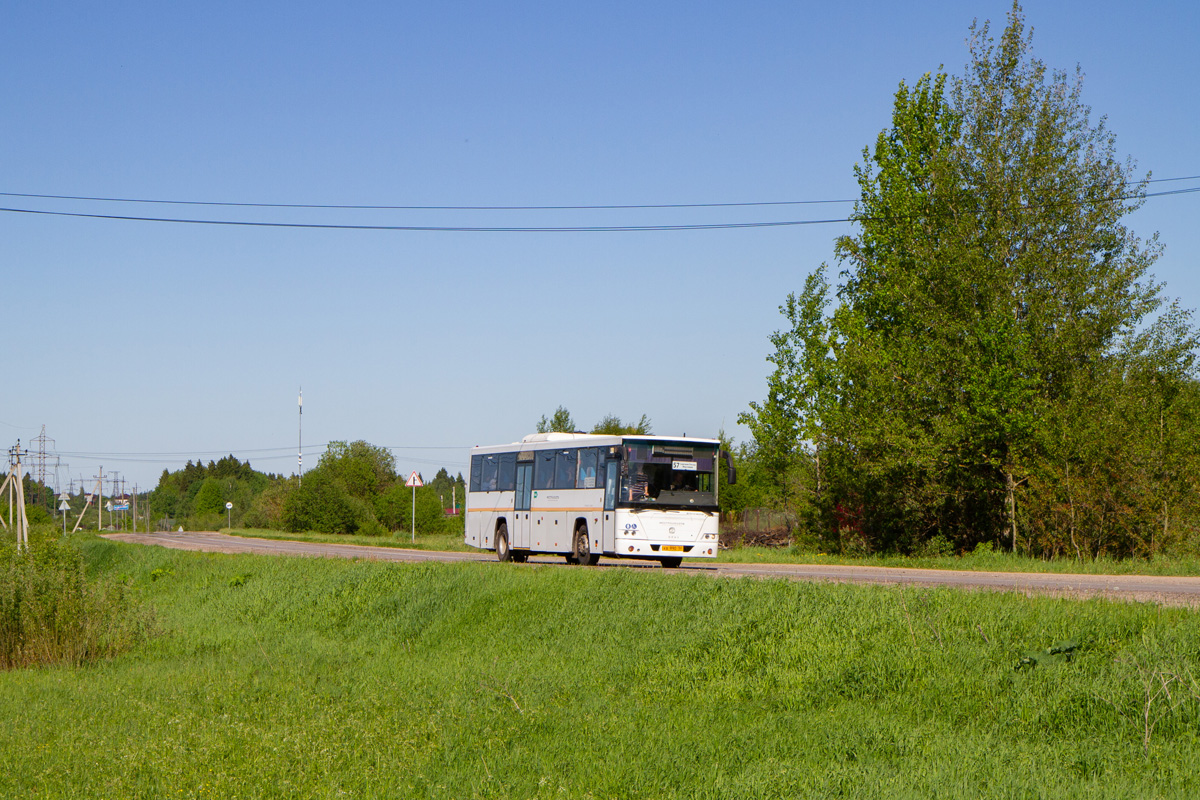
(395, 510)
(37, 515)
(937, 546)
(266, 510)
(51, 613)
(372, 527)
(323, 504)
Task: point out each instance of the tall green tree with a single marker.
(788, 427)
(208, 499)
(990, 308)
(559, 422)
(363, 468)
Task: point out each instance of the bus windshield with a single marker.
(666, 474)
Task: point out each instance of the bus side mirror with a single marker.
(730, 469)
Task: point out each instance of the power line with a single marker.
(350, 207)
(363, 207)
(182, 453)
(501, 229)
(432, 228)
(258, 454)
(242, 450)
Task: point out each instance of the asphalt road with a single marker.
(1175, 591)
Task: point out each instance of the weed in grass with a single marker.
(161, 572)
(1055, 654)
(1153, 687)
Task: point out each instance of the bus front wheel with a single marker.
(503, 552)
(582, 551)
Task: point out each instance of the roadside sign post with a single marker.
(414, 481)
(63, 507)
(229, 516)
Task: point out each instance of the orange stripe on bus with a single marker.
(543, 509)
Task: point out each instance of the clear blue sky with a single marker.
(131, 338)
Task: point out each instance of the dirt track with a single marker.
(1174, 591)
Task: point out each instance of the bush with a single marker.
(395, 510)
(50, 613)
(936, 546)
(372, 527)
(266, 510)
(38, 515)
(211, 521)
(322, 503)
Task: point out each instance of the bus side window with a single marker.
(611, 469)
(543, 470)
(476, 468)
(587, 468)
(507, 482)
(491, 465)
(564, 476)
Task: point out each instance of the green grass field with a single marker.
(445, 542)
(282, 677)
(979, 562)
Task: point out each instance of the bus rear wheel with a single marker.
(503, 552)
(672, 562)
(582, 550)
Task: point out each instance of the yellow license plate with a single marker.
(678, 548)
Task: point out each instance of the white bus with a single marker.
(585, 495)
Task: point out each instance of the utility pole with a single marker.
(15, 484)
(300, 445)
(99, 506)
(40, 460)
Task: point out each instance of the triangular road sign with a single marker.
(414, 480)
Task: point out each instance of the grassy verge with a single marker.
(277, 677)
(976, 562)
(445, 542)
(979, 562)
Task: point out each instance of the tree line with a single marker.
(354, 488)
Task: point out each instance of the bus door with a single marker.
(521, 521)
(608, 526)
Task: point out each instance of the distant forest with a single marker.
(353, 489)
